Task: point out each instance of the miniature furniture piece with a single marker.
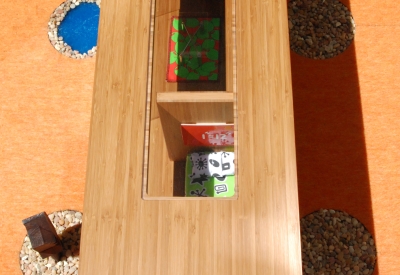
(210, 174)
(43, 235)
(135, 222)
(194, 44)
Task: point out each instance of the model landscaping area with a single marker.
(196, 167)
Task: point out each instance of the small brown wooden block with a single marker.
(42, 234)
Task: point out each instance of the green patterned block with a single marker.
(194, 47)
(204, 186)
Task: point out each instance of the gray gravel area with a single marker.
(333, 242)
(320, 29)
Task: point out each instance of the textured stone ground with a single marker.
(68, 225)
(333, 242)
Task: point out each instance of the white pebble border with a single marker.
(68, 227)
(55, 20)
(333, 242)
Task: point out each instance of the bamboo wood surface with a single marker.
(174, 110)
(256, 234)
(179, 108)
(160, 169)
(195, 97)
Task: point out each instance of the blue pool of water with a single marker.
(80, 27)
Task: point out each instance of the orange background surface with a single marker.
(347, 123)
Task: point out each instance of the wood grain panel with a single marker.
(160, 57)
(199, 108)
(164, 7)
(116, 141)
(258, 233)
(266, 148)
(161, 167)
(195, 97)
(159, 186)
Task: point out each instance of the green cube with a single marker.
(204, 186)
